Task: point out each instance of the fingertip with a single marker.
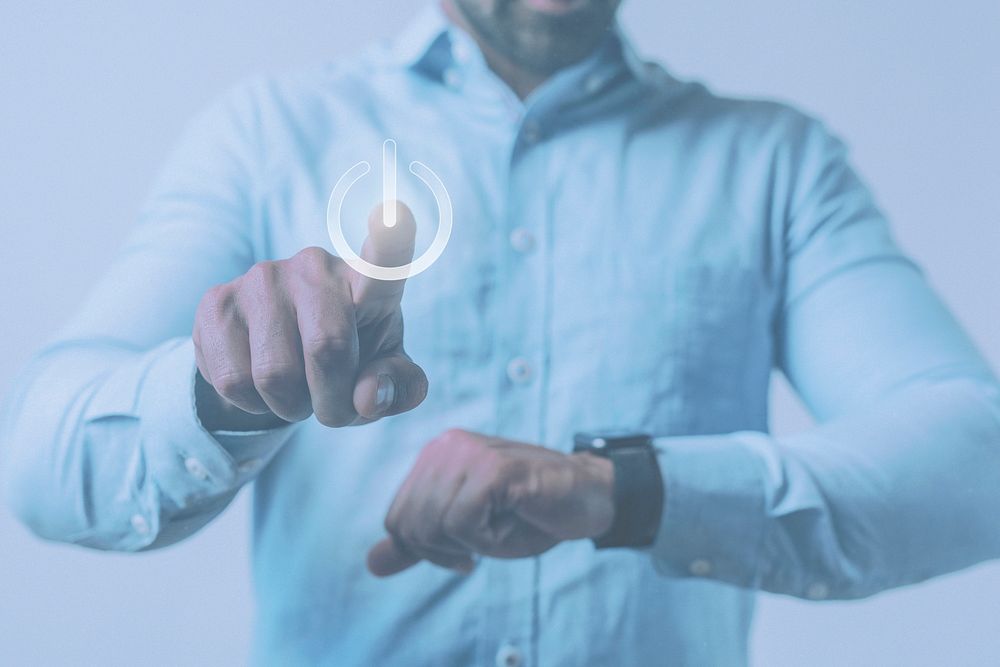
(386, 559)
(373, 561)
(392, 227)
(390, 213)
(391, 241)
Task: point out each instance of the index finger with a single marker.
(391, 236)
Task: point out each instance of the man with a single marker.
(629, 251)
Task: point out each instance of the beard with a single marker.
(537, 41)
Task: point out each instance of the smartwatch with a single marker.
(638, 486)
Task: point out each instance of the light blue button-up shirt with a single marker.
(629, 250)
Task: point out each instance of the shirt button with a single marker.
(139, 524)
(531, 133)
(460, 52)
(519, 370)
(700, 567)
(452, 78)
(522, 240)
(509, 656)
(196, 468)
(818, 591)
(250, 465)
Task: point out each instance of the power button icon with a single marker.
(335, 206)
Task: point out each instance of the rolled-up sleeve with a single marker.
(900, 479)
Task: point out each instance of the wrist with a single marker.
(599, 489)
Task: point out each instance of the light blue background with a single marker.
(93, 94)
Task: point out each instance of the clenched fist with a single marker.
(470, 494)
(309, 335)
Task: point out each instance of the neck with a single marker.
(520, 80)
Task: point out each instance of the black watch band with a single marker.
(638, 492)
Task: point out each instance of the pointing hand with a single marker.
(309, 335)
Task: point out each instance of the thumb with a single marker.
(388, 386)
(391, 236)
(387, 558)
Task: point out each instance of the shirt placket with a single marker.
(520, 372)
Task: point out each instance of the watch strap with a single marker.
(638, 498)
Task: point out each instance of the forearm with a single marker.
(103, 447)
(906, 489)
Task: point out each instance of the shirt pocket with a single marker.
(722, 349)
(679, 352)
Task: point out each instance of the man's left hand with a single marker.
(470, 494)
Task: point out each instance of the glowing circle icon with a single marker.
(335, 227)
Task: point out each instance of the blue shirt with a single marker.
(629, 250)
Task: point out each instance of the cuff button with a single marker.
(196, 468)
(700, 567)
(139, 524)
(818, 591)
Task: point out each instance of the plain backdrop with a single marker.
(93, 94)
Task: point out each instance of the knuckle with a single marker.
(214, 303)
(216, 293)
(315, 263)
(453, 440)
(263, 274)
(327, 349)
(453, 436)
(233, 384)
(273, 378)
(313, 255)
(446, 441)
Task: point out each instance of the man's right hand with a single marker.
(309, 335)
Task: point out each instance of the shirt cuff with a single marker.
(714, 515)
(188, 462)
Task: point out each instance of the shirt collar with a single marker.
(424, 35)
